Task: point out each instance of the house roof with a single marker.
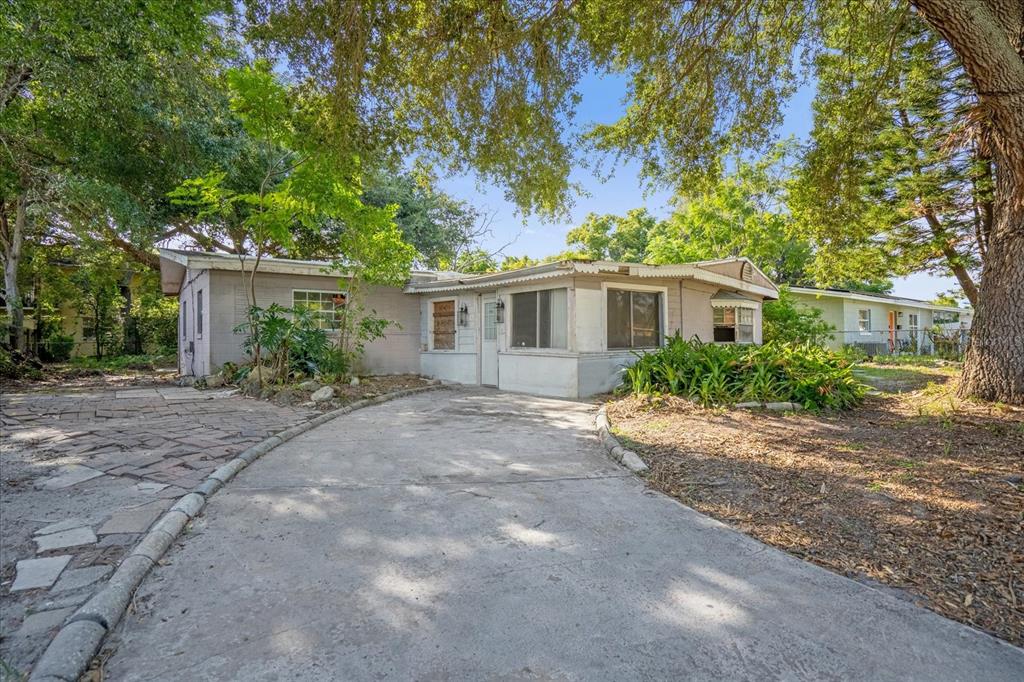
(876, 298)
(570, 267)
(174, 262)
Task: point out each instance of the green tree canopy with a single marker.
(907, 175)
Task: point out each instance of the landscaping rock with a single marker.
(784, 407)
(214, 381)
(36, 573)
(65, 539)
(81, 577)
(310, 385)
(354, 381)
(322, 395)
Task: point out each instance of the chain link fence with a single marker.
(944, 342)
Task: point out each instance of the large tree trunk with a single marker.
(994, 367)
(987, 35)
(13, 237)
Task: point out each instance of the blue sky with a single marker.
(602, 103)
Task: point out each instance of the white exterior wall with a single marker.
(586, 367)
(194, 348)
(460, 365)
(697, 318)
(553, 374)
(226, 305)
(842, 313)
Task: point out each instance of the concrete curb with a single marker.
(611, 444)
(78, 640)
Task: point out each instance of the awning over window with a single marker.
(729, 299)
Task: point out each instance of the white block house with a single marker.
(561, 329)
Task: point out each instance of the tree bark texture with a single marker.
(988, 36)
(13, 237)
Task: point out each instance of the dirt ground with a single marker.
(916, 489)
(368, 387)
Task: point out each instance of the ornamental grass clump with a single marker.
(713, 375)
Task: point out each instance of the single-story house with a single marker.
(562, 329)
(881, 324)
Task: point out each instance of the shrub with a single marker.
(713, 374)
(787, 322)
(291, 345)
(56, 347)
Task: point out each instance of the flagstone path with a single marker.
(84, 473)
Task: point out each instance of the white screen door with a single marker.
(489, 342)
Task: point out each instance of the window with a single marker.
(88, 327)
(913, 321)
(443, 327)
(733, 324)
(540, 319)
(864, 320)
(634, 319)
(490, 321)
(327, 307)
(199, 314)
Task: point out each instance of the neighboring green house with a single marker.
(880, 324)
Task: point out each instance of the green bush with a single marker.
(8, 367)
(786, 321)
(713, 374)
(56, 347)
(288, 344)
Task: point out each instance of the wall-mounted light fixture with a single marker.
(463, 315)
(499, 311)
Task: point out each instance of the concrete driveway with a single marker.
(466, 534)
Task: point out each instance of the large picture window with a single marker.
(540, 319)
(327, 307)
(734, 325)
(443, 325)
(634, 319)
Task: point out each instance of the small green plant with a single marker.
(291, 340)
(714, 374)
(56, 347)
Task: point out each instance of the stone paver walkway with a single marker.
(85, 473)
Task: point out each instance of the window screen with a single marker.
(634, 319)
(540, 319)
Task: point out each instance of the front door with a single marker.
(489, 340)
(892, 331)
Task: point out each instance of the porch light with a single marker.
(499, 311)
(463, 315)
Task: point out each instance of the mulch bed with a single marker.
(368, 387)
(919, 491)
